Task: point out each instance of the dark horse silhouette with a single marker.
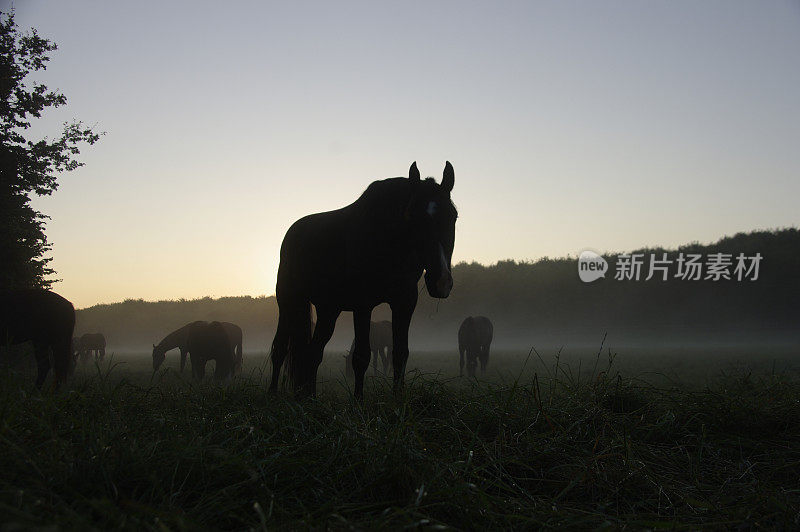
(210, 341)
(380, 345)
(47, 320)
(372, 251)
(91, 343)
(180, 339)
(474, 340)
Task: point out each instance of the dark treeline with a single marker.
(541, 303)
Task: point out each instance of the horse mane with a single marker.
(380, 195)
(176, 337)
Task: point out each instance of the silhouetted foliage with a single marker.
(27, 166)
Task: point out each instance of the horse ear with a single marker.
(449, 178)
(154, 346)
(413, 173)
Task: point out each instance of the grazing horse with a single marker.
(47, 320)
(380, 344)
(352, 259)
(474, 340)
(210, 341)
(92, 344)
(179, 339)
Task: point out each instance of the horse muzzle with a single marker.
(440, 283)
(440, 286)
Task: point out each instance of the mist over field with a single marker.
(542, 304)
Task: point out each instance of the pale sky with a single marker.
(571, 125)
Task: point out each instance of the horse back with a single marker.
(475, 330)
(35, 315)
(93, 341)
(209, 341)
(357, 255)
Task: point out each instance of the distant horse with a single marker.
(352, 259)
(45, 319)
(380, 344)
(474, 340)
(179, 339)
(92, 344)
(210, 341)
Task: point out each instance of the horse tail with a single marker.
(62, 345)
(238, 356)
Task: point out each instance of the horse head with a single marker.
(432, 217)
(159, 355)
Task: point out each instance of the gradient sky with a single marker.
(571, 125)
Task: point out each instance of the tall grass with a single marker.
(561, 449)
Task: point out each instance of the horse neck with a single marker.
(383, 206)
(174, 339)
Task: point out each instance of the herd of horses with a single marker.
(372, 251)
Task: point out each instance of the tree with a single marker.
(28, 166)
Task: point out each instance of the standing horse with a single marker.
(352, 259)
(179, 339)
(380, 345)
(210, 341)
(92, 344)
(47, 320)
(474, 339)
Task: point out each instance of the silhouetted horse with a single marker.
(92, 344)
(47, 320)
(210, 341)
(380, 344)
(474, 340)
(372, 251)
(179, 339)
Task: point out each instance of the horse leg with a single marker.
(461, 351)
(237, 368)
(348, 364)
(384, 358)
(183, 359)
(280, 348)
(361, 352)
(326, 322)
(42, 362)
(401, 320)
(62, 359)
(198, 367)
(484, 358)
(472, 362)
(224, 367)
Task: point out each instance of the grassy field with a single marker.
(650, 440)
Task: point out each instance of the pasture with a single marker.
(646, 439)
